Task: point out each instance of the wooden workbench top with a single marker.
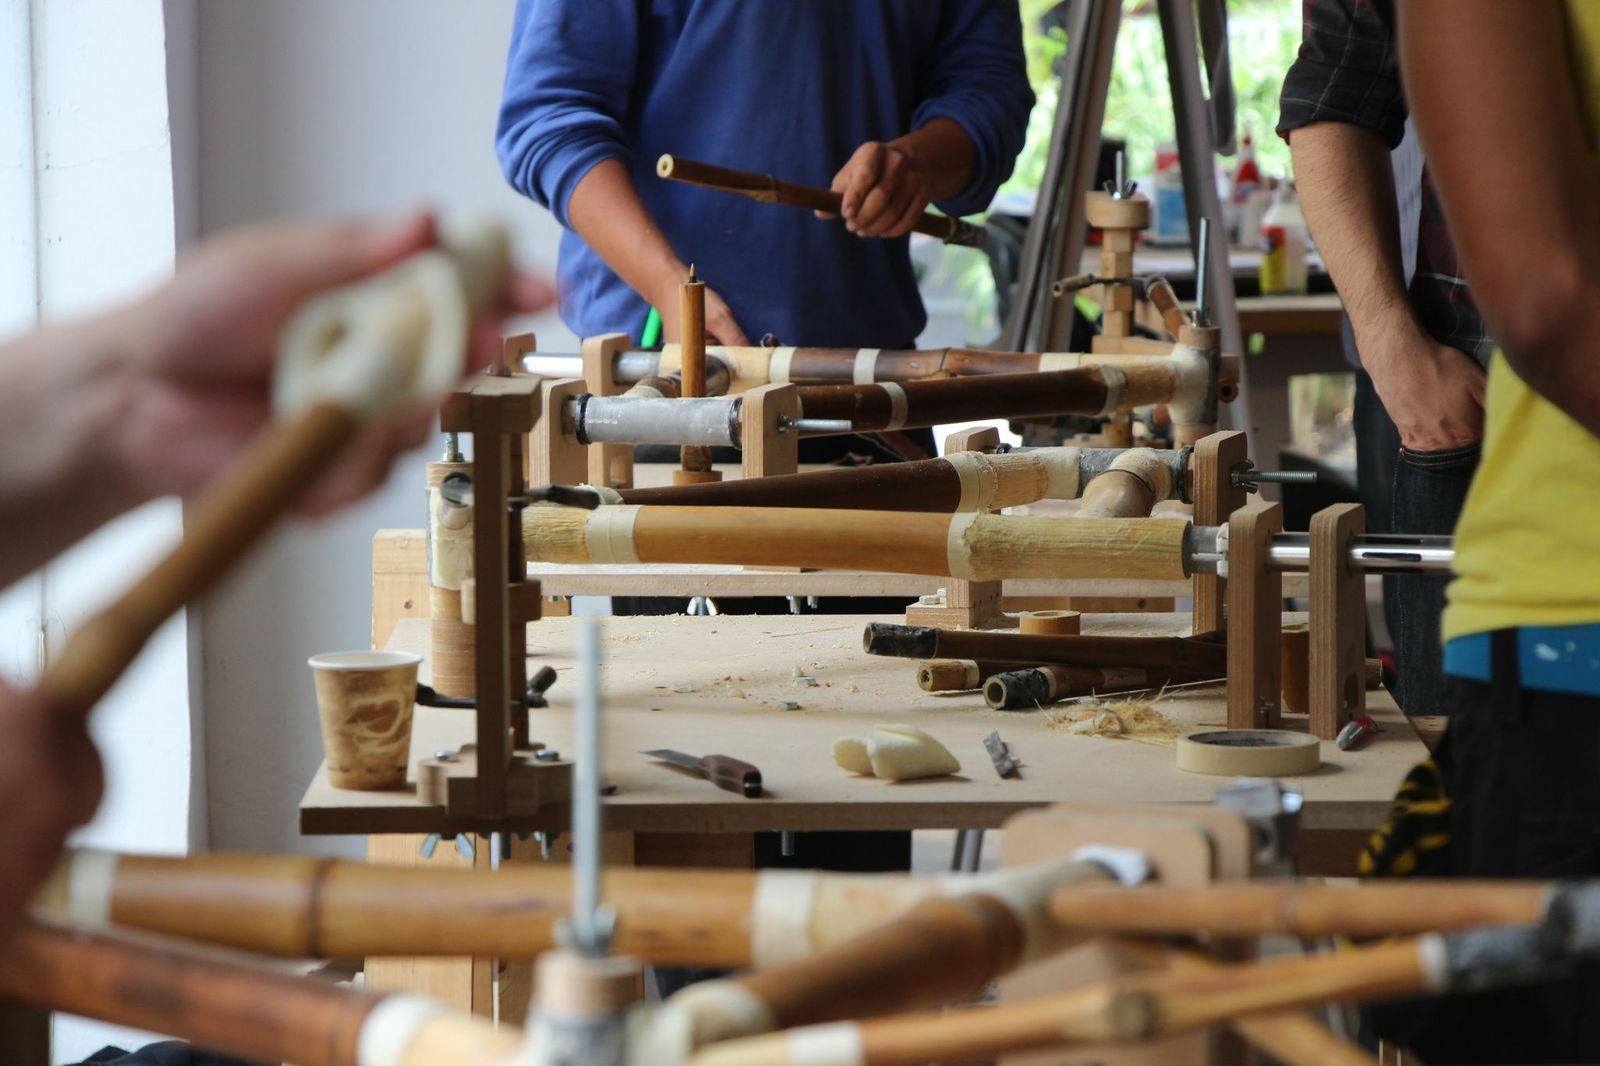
(706, 685)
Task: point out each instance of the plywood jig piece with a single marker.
(1338, 620)
(610, 465)
(1255, 610)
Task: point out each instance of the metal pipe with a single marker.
(1388, 553)
(699, 422)
(589, 931)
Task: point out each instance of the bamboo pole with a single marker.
(1296, 908)
(969, 481)
(1136, 481)
(975, 546)
(231, 1005)
(694, 460)
(1038, 686)
(1176, 656)
(955, 675)
(1137, 1008)
(770, 190)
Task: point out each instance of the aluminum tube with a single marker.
(1371, 553)
(704, 422)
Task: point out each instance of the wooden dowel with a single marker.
(983, 547)
(1175, 655)
(955, 675)
(1368, 909)
(219, 1001)
(692, 341)
(225, 522)
(770, 190)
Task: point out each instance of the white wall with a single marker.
(86, 203)
(314, 108)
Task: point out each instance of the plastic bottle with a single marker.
(1169, 223)
(1283, 245)
(1246, 180)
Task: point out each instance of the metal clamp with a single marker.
(1245, 476)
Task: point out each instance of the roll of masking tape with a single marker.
(1249, 753)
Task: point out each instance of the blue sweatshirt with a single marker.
(785, 87)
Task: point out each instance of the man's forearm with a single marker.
(66, 391)
(607, 213)
(943, 153)
(1346, 189)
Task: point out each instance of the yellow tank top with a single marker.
(1528, 543)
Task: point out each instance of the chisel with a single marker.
(724, 771)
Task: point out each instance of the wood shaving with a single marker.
(1132, 719)
(736, 692)
(851, 686)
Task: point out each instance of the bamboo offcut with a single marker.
(695, 460)
(1039, 686)
(975, 546)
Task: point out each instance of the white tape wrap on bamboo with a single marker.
(714, 1010)
(835, 1044)
(1026, 892)
(1062, 476)
(957, 550)
(80, 888)
(608, 533)
(781, 916)
(607, 494)
(897, 404)
(391, 1027)
(1191, 382)
(865, 369)
(1116, 382)
(1061, 361)
(778, 365)
(978, 478)
(449, 542)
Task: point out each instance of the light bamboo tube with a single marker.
(1371, 908)
(306, 907)
(1131, 1009)
(1136, 481)
(955, 675)
(974, 546)
(231, 1005)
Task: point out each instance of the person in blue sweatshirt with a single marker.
(896, 103)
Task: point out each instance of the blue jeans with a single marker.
(1429, 491)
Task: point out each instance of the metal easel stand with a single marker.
(1053, 247)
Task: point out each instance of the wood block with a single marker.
(1338, 620)
(1122, 604)
(530, 785)
(448, 980)
(965, 604)
(523, 601)
(514, 347)
(1102, 212)
(770, 448)
(1186, 846)
(555, 457)
(1212, 490)
(399, 580)
(507, 404)
(1255, 613)
(610, 465)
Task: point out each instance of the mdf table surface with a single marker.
(714, 685)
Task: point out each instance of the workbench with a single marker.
(714, 684)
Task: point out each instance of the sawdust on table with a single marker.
(1124, 719)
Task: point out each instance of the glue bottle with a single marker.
(1170, 214)
(1283, 245)
(1246, 180)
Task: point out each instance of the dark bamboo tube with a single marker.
(1295, 908)
(1176, 656)
(228, 519)
(219, 1001)
(770, 190)
(982, 482)
(1039, 686)
(943, 400)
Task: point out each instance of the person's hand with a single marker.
(721, 327)
(50, 783)
(885, 191)
(198, 381)
(1433, 392)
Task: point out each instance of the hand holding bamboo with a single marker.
(769, 190)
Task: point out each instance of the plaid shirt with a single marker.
(1348, 70)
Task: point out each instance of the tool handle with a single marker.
(735, 775)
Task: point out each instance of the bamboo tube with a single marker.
(1061, 623)
(1367, 909)
(931, 402)
(974, 546)
(692, 347)
(955, 675)
(1135, 483)
(230, 516)
(304, 907)
(966, 481)
(1137, 1008)
(770, 190)
(1039, 686)
(1174, 655)
(227, 1004)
